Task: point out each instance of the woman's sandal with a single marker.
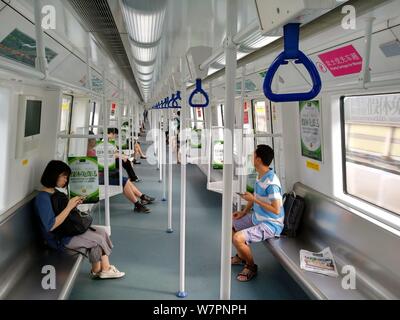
(236, 261)
(248, 273)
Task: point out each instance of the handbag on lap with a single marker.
(76, 223)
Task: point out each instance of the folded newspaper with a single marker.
(319, 262)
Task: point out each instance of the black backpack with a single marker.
(76, 223)
(294, 207)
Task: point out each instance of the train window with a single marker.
(221, 124)
(192, 118)
(220, 115)
(66, 108)
(65, 126)
(260, 115)
(247, 117)
(262, 120)
(94, 117)
(199, 117)
(371, 142)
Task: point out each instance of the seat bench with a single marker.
(22, 257)
(353, 240)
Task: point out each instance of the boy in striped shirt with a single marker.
(267, 219)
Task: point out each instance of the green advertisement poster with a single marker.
(195, 140)
(218, 155)
(100, 155)
(84, 179)
(20, 47)
(310, 129)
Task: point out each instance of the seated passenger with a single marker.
(138, 151)
(91, 149)
(131, 192)
(267, 219)
(98, 243)
(126, 163)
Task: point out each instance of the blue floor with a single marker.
(150, 256)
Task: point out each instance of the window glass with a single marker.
(66, 107)
(200, 117)
(371, 134)
(262, 121)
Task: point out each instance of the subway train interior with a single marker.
(199, 150)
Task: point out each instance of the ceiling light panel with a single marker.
(256, 41)
(145, 69)
(144, 54)
(148, 77)
(144, 19)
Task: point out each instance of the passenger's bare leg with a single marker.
(96, 267)
(133, 189)
(105, 263)
(244, 250)
(128, 192)
(138, 149)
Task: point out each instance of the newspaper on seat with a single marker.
(319, 262)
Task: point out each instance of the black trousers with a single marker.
(127, 165)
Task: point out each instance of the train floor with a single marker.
(150, 256)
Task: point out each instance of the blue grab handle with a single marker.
(200, 90)
(171, 101)
(173, 104)
(291, 43)
(165, 103)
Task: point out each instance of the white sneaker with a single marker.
(112, 273)
(94, 275)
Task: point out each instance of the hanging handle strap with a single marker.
(173, 103)
(292, 52)
(199, 90)
(165, 103)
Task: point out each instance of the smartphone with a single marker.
(240, 194)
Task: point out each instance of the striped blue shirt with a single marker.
(268, 189)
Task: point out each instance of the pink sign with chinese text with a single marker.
(342, 61)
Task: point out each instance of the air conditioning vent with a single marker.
(97, 18)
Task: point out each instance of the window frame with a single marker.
(344, 153)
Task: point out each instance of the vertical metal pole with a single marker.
(209, 136)
(182, 236)
(240, 146)
(41, 61)
(107, 220)
(137, 125)
(164, 155)
(131, 128)
(169, 229)
(88, 63)
(231, 64)
(367, 54)
(119, 124)
(160, 132)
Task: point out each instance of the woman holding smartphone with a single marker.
(97, 243)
